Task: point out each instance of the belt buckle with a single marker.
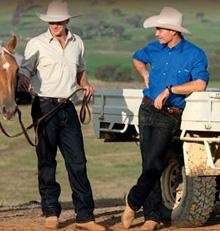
(170, 110)
(60, 100)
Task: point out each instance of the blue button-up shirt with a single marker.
(172, 66)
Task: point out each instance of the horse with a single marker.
(8, 78)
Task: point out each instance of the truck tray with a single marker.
(202, 112)
(112, 107)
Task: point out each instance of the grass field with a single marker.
(112, 167)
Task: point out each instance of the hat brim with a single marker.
(155, 21)
(52, 18)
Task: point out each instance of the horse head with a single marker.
(8, 80)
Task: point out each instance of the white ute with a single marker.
(188, 184)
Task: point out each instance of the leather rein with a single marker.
(82, 116)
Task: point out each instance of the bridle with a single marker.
(82, 116)
(3, 50)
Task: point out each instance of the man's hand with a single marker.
(88, 90)
(24, 83)
(161, 99)
(146, 84)
(83, 82)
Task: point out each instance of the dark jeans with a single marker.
(62, 130)
(157, 129)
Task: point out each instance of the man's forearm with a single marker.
(188, 88)
(141, 70)
(82, 79)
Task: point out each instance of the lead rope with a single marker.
(83, 112)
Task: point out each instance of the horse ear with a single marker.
(10, 46)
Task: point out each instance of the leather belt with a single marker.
(172, 110)
(52, 99)
(168, 109)
(148, 101)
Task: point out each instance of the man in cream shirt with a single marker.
(52, 68)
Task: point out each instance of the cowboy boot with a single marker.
(128, 215)
(151, 225)
(51, 222)
(89, 226)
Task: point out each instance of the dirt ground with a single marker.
(29, 218)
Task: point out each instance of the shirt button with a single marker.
(169, 53)
(164, 73)
(166, 63)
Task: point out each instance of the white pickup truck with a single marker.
(190, 183)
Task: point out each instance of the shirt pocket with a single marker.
(46, 62)
(155, 75)
(183, 76)
(73, 62)
(155, 71)
(154, 67)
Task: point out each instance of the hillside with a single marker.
(112, 29)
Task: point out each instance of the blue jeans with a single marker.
(62, 130)
(157, 129)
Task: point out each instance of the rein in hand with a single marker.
(84, 110)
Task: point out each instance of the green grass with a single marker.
(112, 167)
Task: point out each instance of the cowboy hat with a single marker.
(169, 18)
(57, 11)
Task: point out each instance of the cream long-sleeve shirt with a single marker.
(51, 68)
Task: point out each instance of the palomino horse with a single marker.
(8, 70)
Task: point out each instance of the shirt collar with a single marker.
(178, 47)
(50, 37)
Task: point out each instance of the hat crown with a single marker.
(57, 11)
(169, 18)
(170, 15)
(57, 8)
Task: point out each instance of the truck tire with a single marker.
(217, 195)
(189, 201)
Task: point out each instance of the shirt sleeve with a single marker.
(28, 65)
(199, 70)
(142, 55)
(82, 66)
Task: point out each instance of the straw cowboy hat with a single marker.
(169, 18)
(57, 11)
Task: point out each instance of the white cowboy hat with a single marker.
(169, 18)
(57, 11)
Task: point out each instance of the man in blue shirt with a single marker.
(177, 68)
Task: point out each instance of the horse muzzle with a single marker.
(8, 111)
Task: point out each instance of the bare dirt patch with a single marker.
(29, 218)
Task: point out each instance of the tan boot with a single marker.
(151, 225)
(90, 226)
(128, 215)
(51, 222)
